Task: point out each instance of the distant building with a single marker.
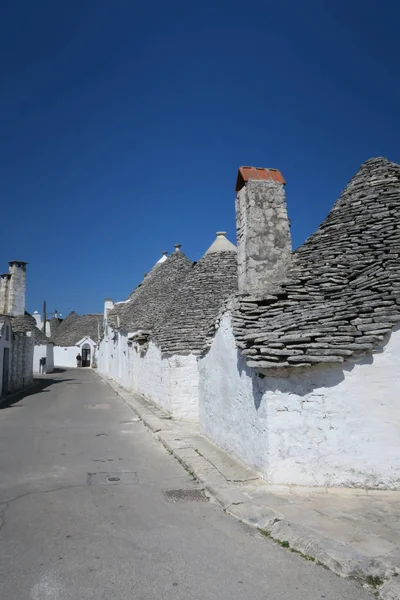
(77, 335)
(17, 331)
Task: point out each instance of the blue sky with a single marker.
(122, 126)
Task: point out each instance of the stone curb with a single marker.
(338, 557)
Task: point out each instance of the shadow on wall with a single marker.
(302, 381)
(38, 387)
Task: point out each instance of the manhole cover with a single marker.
(185, 496)
(120, 477)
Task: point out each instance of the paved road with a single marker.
(68, 533)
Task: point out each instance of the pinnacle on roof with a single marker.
(163, 257)
(221, 244)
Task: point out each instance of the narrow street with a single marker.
(83, 513)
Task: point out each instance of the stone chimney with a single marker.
(17, 288)
(262, 226)
(4, 285)
(108, 305)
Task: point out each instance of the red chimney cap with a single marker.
(247, 173)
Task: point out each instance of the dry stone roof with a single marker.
(23, 324)
(342, 292)
(54, 322)
(150, 300)
(74, 327)
(40, 338)
(189, 323)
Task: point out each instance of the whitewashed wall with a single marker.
(326, 426)
(114, 357)
(44, 350)
(66, 356)
(171, 382)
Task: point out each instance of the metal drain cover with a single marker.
(185, 496)
(97, 406)
(119, 477)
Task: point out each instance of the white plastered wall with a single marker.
(44, 350)
(65, 356)
(332, 425)
(169, 382)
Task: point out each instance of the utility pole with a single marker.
(44, 317)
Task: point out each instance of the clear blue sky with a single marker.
(123, 124)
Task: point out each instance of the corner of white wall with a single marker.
(326, 426)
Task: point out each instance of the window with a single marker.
(7, 334)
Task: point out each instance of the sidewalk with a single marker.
(355, 533)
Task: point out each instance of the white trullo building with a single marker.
(290, 360)
(152, 342)
(77, 335)
(302, 380)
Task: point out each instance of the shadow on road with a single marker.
(39, 385)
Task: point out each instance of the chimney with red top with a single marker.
(262, 226)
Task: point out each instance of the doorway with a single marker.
(85, 355)
(6, 371)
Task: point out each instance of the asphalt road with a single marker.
(69, 533)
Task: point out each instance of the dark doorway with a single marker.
(86, 355)
(6, 370)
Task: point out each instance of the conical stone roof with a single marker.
(342, 291)
(75, 327)
(148, 303)
(189, 323)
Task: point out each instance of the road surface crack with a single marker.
(9, 501)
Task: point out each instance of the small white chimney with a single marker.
(177, 247)
(108, 305)
(262, 225)
(38, 319)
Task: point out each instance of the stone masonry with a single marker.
(264, 245)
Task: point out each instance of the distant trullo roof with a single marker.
(189, 322)
(150, 300)
(74, 327)
(341, 295)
